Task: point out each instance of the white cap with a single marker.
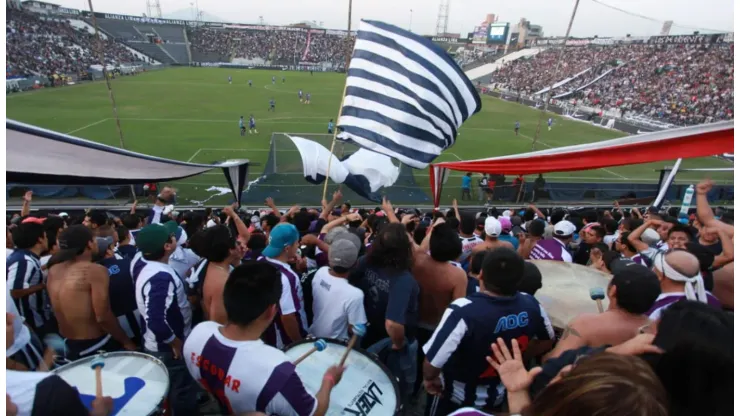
(492, 227)
(506, 214)
(211, 223)
(650, 237)
(564, 228)
(167, 209)
(63, 214)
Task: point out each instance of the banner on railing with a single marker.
(685, 39)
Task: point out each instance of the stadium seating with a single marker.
(677, 84)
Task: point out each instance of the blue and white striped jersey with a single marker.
(23, 270)
(163, 305)
(462, 341)
(291, 301)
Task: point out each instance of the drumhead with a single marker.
(367, 386)
(137, 382)
(565, 291)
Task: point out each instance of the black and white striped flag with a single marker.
(405, 97)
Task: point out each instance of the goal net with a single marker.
(283, 179)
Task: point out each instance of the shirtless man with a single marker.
(220, 251)
(492, 230)
(78, 289)
(632, 292)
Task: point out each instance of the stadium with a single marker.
(232, 133)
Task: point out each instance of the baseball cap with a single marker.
(343, 253)
(492, 227)
(283, 235)
(516, 220)
(506, 214)
(334, 233)
(153, 237)
(564, 228)
(75, 238)
(103, 243)
(505, 224)
(650, 237)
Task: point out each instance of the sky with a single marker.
(421, 15)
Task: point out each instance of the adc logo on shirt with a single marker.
(509, 322)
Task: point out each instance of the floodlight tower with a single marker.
(443, 17)
(153, 9)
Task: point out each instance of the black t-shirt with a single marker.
(54, 394)
(42, 394)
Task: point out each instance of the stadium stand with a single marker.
(678, 84)
(51, 46)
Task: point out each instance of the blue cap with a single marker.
(283, 235)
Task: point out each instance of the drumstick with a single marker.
(319, 345)
(97, 364)
(597, 294)
(357, 331)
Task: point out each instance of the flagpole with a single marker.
(344, 92)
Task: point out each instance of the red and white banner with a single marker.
(687, 142)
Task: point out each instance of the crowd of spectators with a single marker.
(48, 47)
(448, 300)
(281, 47)
(677, 84)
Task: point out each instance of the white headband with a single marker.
(693, 286)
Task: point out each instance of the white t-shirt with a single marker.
(336, 305)
(245, 376)
(21, 333)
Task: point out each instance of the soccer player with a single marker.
(516, 127)
(250, 83)
(236, 367)
(253, 124)
(272, 105)
(308, 98)
(229, 79)
(331, 126)
(242, 129)
(300, 96)
(283, 80)
(549, 124)
(273, 80)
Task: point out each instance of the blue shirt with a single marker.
(466, 182)
(272, 103)
(252, 122)
(463, 340)
(516, 125)
(331, 125)
(122, 296)
(388, 295)
(511, 239)
(127, 251)
(23, 270)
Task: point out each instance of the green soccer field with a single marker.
(191, 114)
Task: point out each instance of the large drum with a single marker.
(566, 287)
(138, 383)
(367, 387)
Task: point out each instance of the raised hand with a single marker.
(386, 205)
(704, 186)
(269, 202)
(510, 367)
(28, 196)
